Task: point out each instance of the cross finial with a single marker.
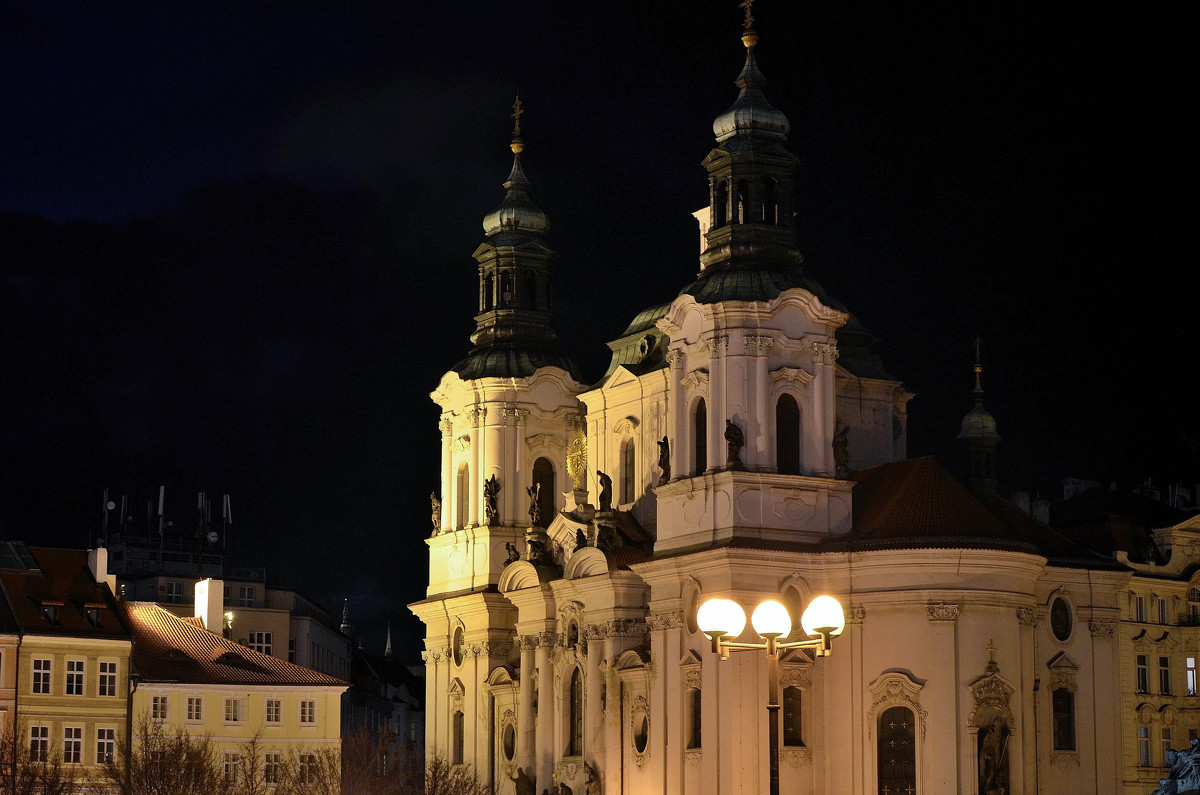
(516, 115)
(749, 21)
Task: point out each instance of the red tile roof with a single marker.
(62, 578)
(168, 648)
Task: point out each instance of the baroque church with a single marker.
(746, 442)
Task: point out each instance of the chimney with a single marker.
(98, 563)
(210, 604)
(1041, 511)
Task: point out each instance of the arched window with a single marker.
(743, 202)
(456, 740)
(700, 438)
(463, 489)
(787, 436)
(793, 734)
(489, 287)
(770, 204)
(693, 702)
(543, 476)
(575, 703)
(627, 470)
(721, 204)
(897, 751)
(1062, 703)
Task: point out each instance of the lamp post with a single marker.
(823, 620)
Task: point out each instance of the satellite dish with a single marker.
(213, 537)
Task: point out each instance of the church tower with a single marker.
(980, 438)
(508, 411)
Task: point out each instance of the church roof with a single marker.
(919, 504)
(168, 648)
(500, 360)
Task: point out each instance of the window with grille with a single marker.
(195, 708)
(73, 744)
(106, 745)
(792, 732)
(39, 743)
(308, 711)
(108, 679)
(575, 716)
(41, 675)
(274, 710)
(74, 677)
(233, 710)
(261, 641)
(897, 753)
(158, 708)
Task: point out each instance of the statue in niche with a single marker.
(437, 511)
(993, 759)
(524, 784)
(1183, 771)
(491, 491)
(605, 491)
(580, 539)
(735, 440)
(535, 510)
(664, 461)
(841, 456)
(513, 554)
(592, 780)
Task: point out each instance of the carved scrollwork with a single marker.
(796, 756)
(855, 614)
(893, 689)
(824, 352)
(693, 756)
(758, 344)
(661, 621)
(941, 612)
(795, 676)
(1027, 616)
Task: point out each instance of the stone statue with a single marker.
(605, 491)
(513, 554)
(491, 490)
(525, 785)
(437, 511)
(535, 510)
(537, 552)
(606, 538)
(592, 781)
(580, 539)
(841, 457)
(993, 759)
(735, 440)
(1183, 771)
(664, 461)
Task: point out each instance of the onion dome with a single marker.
(516, 213)
(751, 114)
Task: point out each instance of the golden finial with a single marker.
(749, 22)
(516, 115)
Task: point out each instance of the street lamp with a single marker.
(823, 620)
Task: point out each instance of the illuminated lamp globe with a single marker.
(823, 613)
(771, 619)
(721, 617)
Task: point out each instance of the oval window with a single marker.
(509, 741)
(1060, 618)
(458, 646)
(641, 733)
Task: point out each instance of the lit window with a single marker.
(308, 711)
(158, 708)
(261, 641)
(1191, 676)
(106, 745)
(1143, 674)
(72, 745)
(74, 677)
(274, 710)
(195, 708)
(39, 743)
(233, 710)
(108, 679)
(41, 676)
(1063, 706)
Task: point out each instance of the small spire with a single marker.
(516, 115)
(978, 370)
(387, 649)
(347, 628)
(748, 23)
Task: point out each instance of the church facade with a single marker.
(747, 442)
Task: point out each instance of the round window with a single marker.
(641, 733)
(458, 646)
(1060, 618)
(509, 741)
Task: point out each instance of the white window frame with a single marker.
(76, 669)
(106, 744)
(159, 709)
(39, 743)
(308, 712)
(274, 710)
(106, 679)
(231, 761)
(234, 711)
(43, 675)
(195, 709)
(261, 642)
(72, 745)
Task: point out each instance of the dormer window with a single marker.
(50, 612)
(93, 615)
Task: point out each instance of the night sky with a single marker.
(236, 237)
